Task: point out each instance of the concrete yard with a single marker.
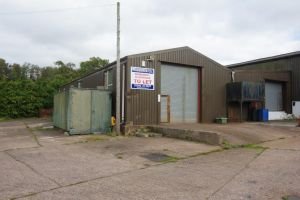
(39, 163)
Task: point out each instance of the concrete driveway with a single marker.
(39, 163)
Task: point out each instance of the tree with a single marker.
(15, 72)
(66, 69)
(24, 89)
(48, 72)
(92, 64)
(3, 69)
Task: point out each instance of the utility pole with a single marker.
(118, 74)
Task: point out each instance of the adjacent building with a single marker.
(281, 75)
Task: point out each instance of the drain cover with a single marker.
(156, 157)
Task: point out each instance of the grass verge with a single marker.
(3, 119)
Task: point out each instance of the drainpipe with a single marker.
(232, 76)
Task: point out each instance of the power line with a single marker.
(54, 10)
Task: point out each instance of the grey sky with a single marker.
(227, 31)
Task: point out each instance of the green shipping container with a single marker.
(82, 111)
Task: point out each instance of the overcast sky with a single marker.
(227, 31)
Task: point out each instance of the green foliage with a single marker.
(27, 88)
(19, 99)
(92, 64)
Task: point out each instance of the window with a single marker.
(108, 82)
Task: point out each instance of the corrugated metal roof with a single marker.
(260, 60)
(175, 49)
(145, 54)
(94, 71)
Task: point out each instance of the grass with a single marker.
(170, 159)
(206, 153)
(111, 134)
(95, 138)
(226, 146)
(3, 119)
(44, 129)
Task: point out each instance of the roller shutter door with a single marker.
(273, 96)
(181, 85)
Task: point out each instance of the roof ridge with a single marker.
(156, 51)
(279, 56)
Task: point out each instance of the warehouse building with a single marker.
(258, 95)
(281, 75)
(177, 85)
(181, 85)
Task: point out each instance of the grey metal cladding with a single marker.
(291, 64)
(142, 106)
(181, 84)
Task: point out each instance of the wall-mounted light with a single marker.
(150, 58)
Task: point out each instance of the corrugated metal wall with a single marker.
(93, 80)
(273, 96)
(285, 64)
(60, 110)
(82, 110)
(262, 76)
(90, 81)
(143, 107)
(181, 84)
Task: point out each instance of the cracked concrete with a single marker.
(45, 164)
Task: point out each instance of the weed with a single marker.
(111, 134)
(226, 145)
(44, 129)
(206, 153)
(119, 155)
(3, 119)
(284, 198)
(94, 138)
(169, 159)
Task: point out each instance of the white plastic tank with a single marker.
(296, 108)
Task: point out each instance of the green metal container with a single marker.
(82, 111)
(221, 120)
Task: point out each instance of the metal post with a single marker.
(123, 94)
(118, 74)
(241, 111)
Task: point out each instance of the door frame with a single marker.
(168, 108)
(199, 83)
(200, 77)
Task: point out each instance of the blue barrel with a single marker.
(263, 115)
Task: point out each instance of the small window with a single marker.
(79, 84)
(108, 80)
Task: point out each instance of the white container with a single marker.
(296, 108)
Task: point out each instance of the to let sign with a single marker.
(142, 78)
